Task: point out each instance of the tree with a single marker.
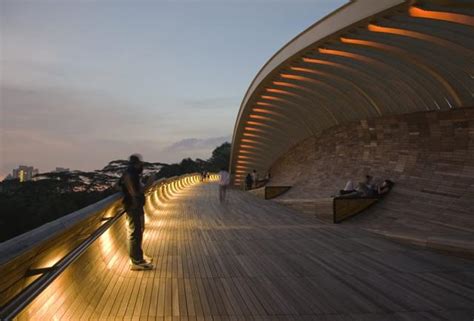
(220, 157)
(30, 204)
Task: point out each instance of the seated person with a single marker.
(348, 189)
(367, 187)
(385, 187)
(362, 189)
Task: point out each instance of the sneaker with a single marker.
(143, 265)
(147, 258)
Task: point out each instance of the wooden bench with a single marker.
(269, 192)
(345, 207)
(331, 209)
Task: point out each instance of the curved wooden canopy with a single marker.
(369, 58)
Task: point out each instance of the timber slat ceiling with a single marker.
(367, 59)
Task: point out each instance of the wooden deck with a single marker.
(250, 259)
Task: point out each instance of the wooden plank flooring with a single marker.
(250, 259)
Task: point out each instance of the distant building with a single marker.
(61, 169)
(24, 173)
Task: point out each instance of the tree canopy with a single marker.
(51, 195)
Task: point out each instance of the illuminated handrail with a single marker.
(27, 295)
(60, 229)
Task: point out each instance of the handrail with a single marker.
(27, 295)
(21, 300)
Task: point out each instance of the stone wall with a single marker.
(429, 155)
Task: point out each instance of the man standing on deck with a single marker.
(134, 201)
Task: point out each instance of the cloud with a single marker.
(54, 126)
(195, 147)
(49, 127)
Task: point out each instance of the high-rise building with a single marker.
(24, 173)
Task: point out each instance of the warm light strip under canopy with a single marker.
(288, 84)
(280, 91)
(266, 111)
(404, 54)
(253, 129)
(321, 62)
(249, 146)
(301, 78)
(346, 54)
(273, 98)
(440, 15)
(414, 35)
(262, 103)
(259, 117)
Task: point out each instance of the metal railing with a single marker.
(48, 275)
(21, 300)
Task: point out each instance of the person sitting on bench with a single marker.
(348, 189)
(366, 188)
(385, 187)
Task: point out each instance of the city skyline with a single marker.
(84, 83)
(14, 173)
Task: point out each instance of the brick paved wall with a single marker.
(430, 156)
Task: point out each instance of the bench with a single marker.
(331, 209)
(269, 192)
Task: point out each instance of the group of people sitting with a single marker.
(367, 188)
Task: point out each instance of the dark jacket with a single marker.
(133, 194)
(249, 180)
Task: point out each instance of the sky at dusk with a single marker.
(84, 82)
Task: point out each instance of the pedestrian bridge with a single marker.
(245, 259)
(380, 87)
